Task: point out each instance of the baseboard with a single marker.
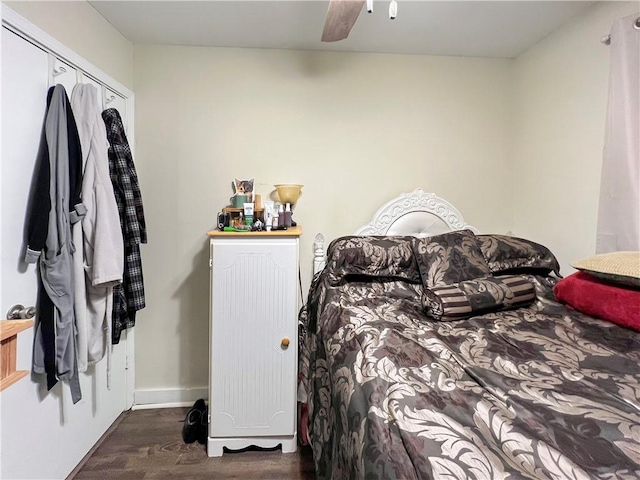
(169, 397)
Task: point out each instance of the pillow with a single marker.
(476, 297)
(372, 256)
(592, 296)
(449, 258)
(616, 267)
(508, 254)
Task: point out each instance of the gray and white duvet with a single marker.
(540, 392)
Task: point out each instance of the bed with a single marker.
(540, 391)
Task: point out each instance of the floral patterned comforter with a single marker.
(541, 392)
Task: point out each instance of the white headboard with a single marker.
(416, 213)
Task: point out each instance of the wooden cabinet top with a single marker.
(289, 232)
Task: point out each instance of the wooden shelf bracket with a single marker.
(9, 330)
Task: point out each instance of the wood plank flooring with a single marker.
(147, 444)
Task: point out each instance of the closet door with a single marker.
(24, 88)
(43, 434)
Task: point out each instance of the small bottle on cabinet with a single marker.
(287, 215)
(281, 216)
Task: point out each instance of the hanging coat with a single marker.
(128, 298)
(60, 160)
(99, 256)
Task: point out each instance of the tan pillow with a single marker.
(616, 267)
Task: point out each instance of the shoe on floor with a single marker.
(203, 431)
(193, 421)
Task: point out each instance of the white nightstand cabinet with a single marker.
(253, 340)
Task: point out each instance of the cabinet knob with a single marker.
(285, 342)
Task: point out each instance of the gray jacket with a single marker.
(65, 166)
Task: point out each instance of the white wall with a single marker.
(560, 101)
(355, 129)
(81, 28)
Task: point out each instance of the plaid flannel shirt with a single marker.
(129, 296)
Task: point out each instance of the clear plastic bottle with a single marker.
(281, 216)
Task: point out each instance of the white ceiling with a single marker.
(460, 28)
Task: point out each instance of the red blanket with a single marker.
(587, 294)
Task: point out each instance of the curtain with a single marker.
(619, 210)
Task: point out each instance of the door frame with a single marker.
(19, 25)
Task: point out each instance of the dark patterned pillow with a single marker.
(373, 257)
(477, 297)
(449, 258)
(507, 254)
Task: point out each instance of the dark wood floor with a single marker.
(147, 444)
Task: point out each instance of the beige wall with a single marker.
(81, 28)
(355, 129)
(560, 101)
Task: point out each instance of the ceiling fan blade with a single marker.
(341, 16)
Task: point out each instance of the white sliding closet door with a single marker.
(24, 77)
(43, 434)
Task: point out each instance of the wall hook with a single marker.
(59, 71)
(110, 99)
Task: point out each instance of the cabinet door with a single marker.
(253, 376)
